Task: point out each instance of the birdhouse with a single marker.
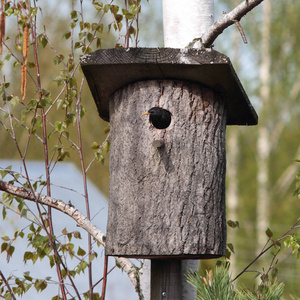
(168, 110)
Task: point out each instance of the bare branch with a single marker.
(70, 210)
(8, 286)
(238, 25)
(226, 20)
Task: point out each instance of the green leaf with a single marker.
(107, 7)
(269, 233)
(73, 14)
(90, 37)
(20, 206)
(32, 228)
(77, 235)
(18, 47)
(92, 257)
(67, 35)
(44, 41)
(135, 8)
(10, 250)
(81, 267)
(24, 213)
(98, 5)
(81, 252)
(100, 157)
(3, 212)
(14, 101)
(233, 224)
(127, 14)
(40, 285)
(4, 246)
(31, 65)
(26, 276)
(114, 9)
(33, 11)
(77, 45)
(59, 126)
(231, 248)
(6, 238)
(106, 146)
(95, 145)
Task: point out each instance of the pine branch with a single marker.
(225, 20)
(81, 220)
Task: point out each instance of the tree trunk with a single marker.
(167, 187)
(232, 195)
(263, 142)
(184, 22)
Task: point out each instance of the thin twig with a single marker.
(285, 235)
(84, 183)
(226, 20)
(104, 277)
(238, 25)
(7, 285)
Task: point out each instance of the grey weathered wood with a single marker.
(167, 201)
(165, 279)
(108, 70)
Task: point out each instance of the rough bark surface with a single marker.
(167, 201)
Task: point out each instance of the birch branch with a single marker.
(225, 20)
(131, 270)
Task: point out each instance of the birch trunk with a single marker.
(263, 142)
(232, 196)
(232, 191)
(185, 21)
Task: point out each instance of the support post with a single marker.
(165, 279)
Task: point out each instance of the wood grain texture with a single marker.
(167, 201)
(165, 279)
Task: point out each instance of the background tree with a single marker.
(272, 85)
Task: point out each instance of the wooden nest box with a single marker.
(167, 186)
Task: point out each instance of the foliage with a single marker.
(273, 291)
(214, 285)
(44, 119)
(218, 285)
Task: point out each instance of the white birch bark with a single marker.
(186, 20)
(263, 142)
(233, 152)
(232, 189)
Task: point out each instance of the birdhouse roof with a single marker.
(107, 70)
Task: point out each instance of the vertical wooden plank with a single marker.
(165, 279)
